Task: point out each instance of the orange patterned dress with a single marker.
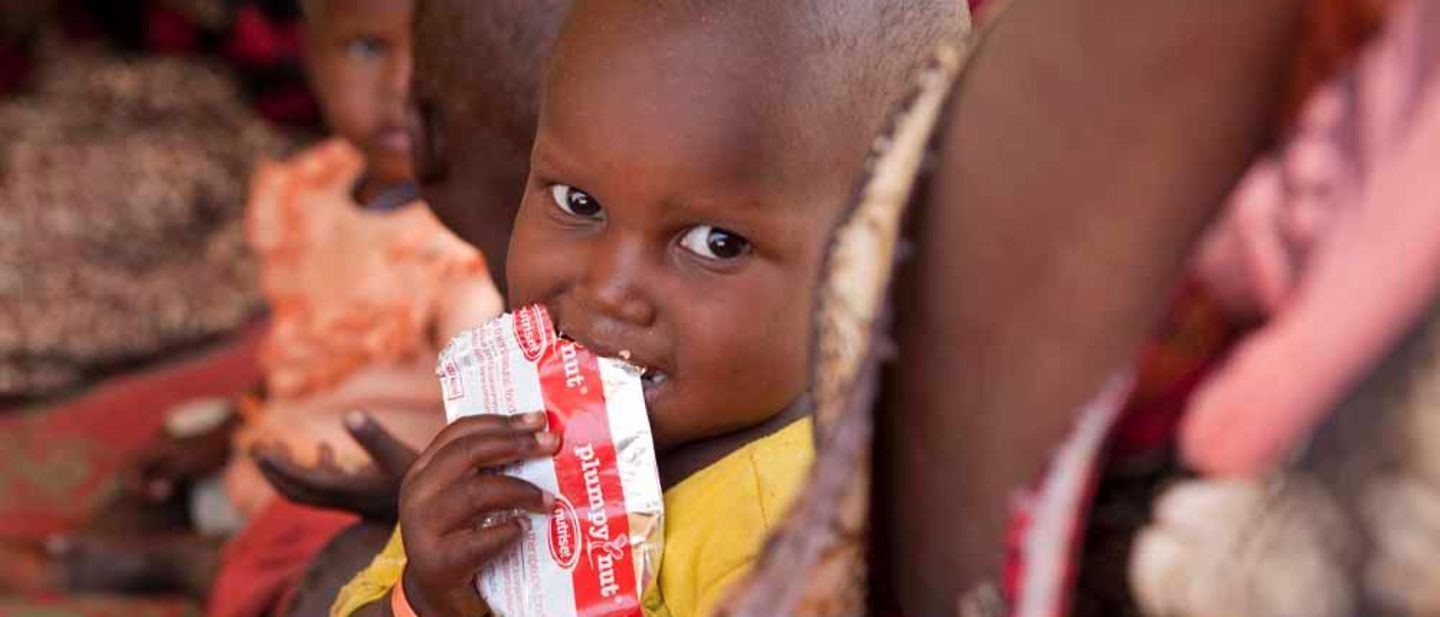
(361, 300)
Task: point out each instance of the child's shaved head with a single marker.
(478, 67)
(690, 160)
(825, 71)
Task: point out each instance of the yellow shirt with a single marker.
(716, 521)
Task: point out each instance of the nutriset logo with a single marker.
(533, 331)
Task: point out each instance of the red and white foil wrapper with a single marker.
(598, 551)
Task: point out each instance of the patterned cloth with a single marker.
(96, 607)
(1330, 240)
(122, 191)
(59, 464)
(347, 286)
(258, 41)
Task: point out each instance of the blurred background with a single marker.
(162, 107)
(128, 131)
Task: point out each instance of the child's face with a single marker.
(669, 215)
(359, 57)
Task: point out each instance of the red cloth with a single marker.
(58, 464)
(95, 606)
(1048, 526)
(1191, 340)
(263, 564)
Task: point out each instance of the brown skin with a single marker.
(680, 228)
(358, 56)
(158, 473)
(478, 90)
(447, 491)
(1063, 277)
(372, 493)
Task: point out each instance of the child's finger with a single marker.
(390, 454)
(470, 549)
(151, 480)
(480, 425)
(287, 478)
(134, 477)
(465, 503)
(159, 489)
(461, 457)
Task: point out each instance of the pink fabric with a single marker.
(1334, 241)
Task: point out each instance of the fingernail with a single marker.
(547, 441)
(355, 420)
(159, 490)
(534, 419)
(547, 499)
(56, 546)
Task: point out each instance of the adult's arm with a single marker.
(1089, 143)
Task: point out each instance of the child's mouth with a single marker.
(651, 379)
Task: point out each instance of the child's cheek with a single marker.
(518, 267)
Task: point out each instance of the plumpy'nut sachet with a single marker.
(598, 550)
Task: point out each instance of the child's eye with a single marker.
(576, 202)
(366, 47)
(714, 243)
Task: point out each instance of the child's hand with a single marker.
(165, 467)
(372, 493)
(456, 514)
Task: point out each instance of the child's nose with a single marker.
(614, 281)
(397, 76)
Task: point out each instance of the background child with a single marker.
(479, 117)
(363, 296)
(689, 161)
(363, 284)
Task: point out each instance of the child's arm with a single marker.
(185, 453)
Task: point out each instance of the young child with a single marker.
(479, 119)
(362, 296)
(363, 284)
(689, 161)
